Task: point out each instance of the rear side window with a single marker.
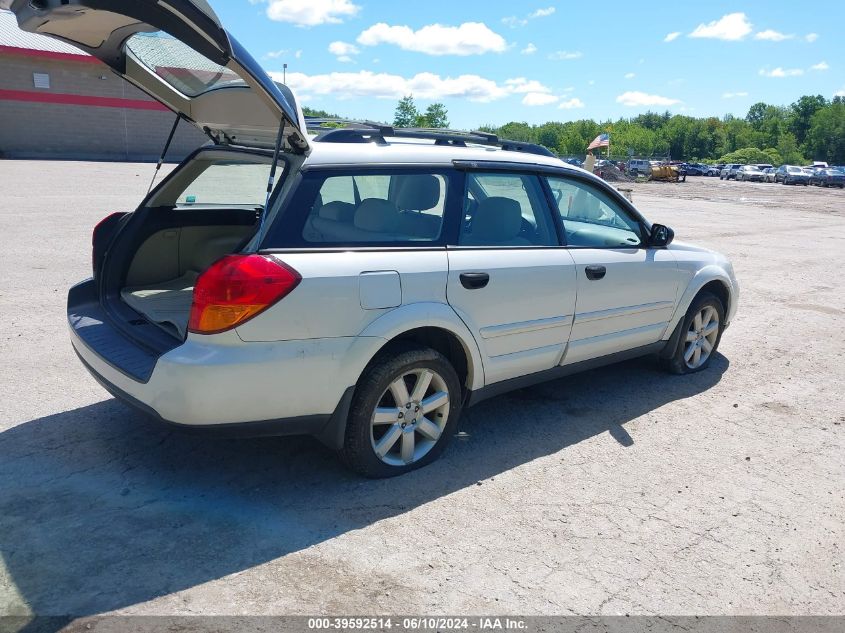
(377, 208)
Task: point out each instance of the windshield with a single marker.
(794, 170)
(179, 65)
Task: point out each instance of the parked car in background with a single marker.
(764, 166)
(791, 175)
(696, 169)
(769, 174)
(828, 178)
(729, 171)
(750, 173)
(714, 170)
(638, 167)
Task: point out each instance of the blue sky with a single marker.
(492, 62)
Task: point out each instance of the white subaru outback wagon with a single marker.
(384, 280)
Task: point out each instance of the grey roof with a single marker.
(11, 35)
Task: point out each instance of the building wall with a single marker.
(95, 115)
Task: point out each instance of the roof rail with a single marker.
(343, 131)
(347, 131)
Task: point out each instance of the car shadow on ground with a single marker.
(101, 509)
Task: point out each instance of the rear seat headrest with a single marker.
(337, 211)
(497, 220)
(419, 192)
(377, 215)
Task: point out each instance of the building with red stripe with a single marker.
(58, 102)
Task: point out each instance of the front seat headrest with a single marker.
(497, 220)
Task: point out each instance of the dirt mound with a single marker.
(611, 173)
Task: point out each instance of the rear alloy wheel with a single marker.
(701, 331)
(404, 412)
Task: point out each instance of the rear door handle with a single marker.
(594, 273)
(474, 281)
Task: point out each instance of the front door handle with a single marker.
(474, 281)
(594, 273)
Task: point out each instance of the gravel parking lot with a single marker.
(623, 490)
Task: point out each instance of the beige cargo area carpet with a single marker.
(167, 303)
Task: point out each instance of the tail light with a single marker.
(101, 237)
(235, 289)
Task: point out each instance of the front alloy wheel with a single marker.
(699, 335)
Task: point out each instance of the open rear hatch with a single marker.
(135, 309)
(177, 52)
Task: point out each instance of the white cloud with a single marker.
(343, 51)
(839, 93)
(734, 95)
(470, 38)
(529, 50)
(571, 104)
(282, 53)
(542, 13)
(561, 55)
(731, 27)
(811, 37)
(348, 85)
(311, 12)
(520, 85)
(772, 36)
(539, 99)
(630, 75)
(635, 98)
(781, 72)
(671, 37)
(820, 66)
(515, 21)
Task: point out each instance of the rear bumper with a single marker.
(315, 425)
(220, 383)
(294, 386)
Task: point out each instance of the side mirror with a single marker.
(661, 236)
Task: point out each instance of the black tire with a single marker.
(676, 364)
(358, 452)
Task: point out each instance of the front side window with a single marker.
(377, 208)
(591, 218)
(506, 210)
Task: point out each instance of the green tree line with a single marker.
(812, 128)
